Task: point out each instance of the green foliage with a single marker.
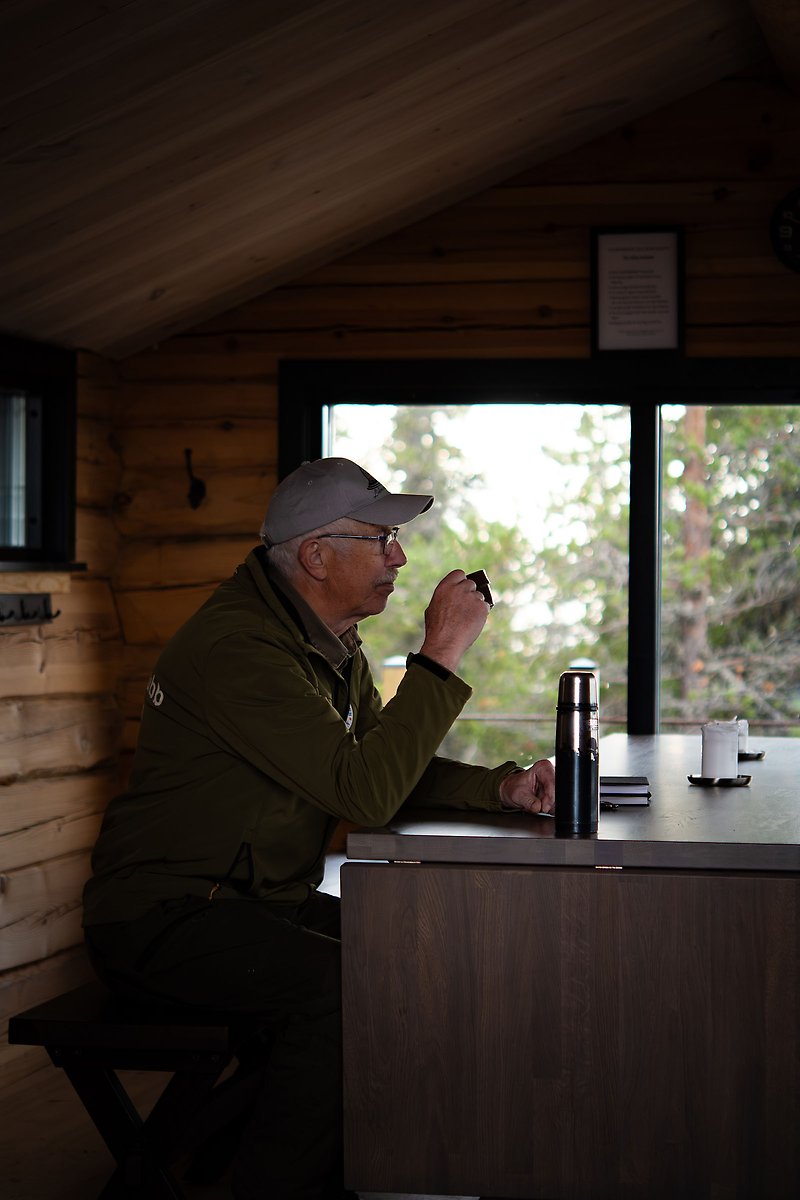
(730, 572)
(745, 651)
(504, 665)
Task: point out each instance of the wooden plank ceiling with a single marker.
(162, 162)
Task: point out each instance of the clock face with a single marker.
(784, 229)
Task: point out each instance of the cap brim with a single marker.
(392, 509)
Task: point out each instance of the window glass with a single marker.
(537, 495)
(730, 640)
(13, 473)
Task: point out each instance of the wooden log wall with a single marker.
(60, 729)
(503, 274)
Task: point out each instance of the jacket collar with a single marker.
(335, 649)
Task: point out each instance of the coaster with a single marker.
(751, 755)
(706, 781)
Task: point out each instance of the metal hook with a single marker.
(197, 488)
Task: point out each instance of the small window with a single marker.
(20, 473)
(37, 455)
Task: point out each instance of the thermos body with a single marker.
(577, 755)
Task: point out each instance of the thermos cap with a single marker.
(577, 689)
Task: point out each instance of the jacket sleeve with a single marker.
(445, 782)
(263, 703)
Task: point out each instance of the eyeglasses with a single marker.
(387, 540)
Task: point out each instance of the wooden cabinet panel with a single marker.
(571, 1034)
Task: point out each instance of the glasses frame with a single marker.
(387, 539)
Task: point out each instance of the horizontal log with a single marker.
(156, 504)
(33, 582)
(530, 337)
(98, 463)
(164, 400)
(32, 802)
(96, 540)
(217, 445)
(224, 363)
(23, 987)
(52, 839)
(472, 269)
(79, 651)
(88, 608)
(147, 563)
(303, 311)
(508, 304)
(56, 735)
(150, 617)
(40, 909)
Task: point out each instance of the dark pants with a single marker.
(282, 964)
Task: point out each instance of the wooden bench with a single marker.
(91, 1035)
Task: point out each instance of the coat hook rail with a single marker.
(19, 609)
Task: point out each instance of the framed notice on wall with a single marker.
(637, 289)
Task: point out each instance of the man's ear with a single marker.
(312, 559)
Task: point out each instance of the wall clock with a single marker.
(784, 230)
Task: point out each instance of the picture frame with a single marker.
(637, 282)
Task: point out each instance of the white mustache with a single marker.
(391, 577)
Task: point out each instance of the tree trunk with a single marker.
(697, 546)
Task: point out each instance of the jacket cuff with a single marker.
(429, 664)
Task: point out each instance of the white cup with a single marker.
(744, 734)
(720, 754)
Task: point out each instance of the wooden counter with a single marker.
(610, 1018)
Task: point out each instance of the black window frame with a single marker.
(49, 374)
(306, 387)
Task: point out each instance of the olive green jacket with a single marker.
(253, 746)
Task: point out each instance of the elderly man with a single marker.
(261, 729)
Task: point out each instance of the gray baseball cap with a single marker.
(320, 492)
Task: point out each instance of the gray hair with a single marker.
(282, 557)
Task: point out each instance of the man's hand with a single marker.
(453, 620)
(534, 789)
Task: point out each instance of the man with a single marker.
(261, 729)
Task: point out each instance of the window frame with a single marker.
(49, 373)
(307, 387)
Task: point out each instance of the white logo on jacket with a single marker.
(348, 721)
(154, 692)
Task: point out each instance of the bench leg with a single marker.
(139, 1147)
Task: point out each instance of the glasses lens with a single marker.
(389, 540)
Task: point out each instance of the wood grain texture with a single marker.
(152, 503)
(56, 734)
(40, 909)
(60, 735)
(30, 803)
(167, 164)
(152, 616)
(163, 562)
(570, 1033)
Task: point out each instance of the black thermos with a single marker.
(577, 757)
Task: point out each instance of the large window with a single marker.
(645, 521)
(730, 593)
(536, 495)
